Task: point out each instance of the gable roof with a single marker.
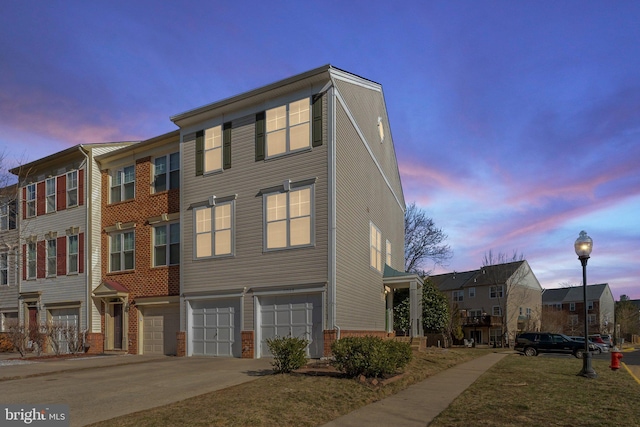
(452, 281)
(488, 275)
(573, 294)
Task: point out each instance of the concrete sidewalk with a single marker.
(422, 402)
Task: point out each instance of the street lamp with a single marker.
(583, 247)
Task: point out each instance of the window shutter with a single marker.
(316, 125)
(199, 152)
(81, 253)
(226, 145)
(24, 202)
(260, 136)
(24, 262)
(80, 187)
(61, 256)
(61, 193)
(41, 259)
(40, 198)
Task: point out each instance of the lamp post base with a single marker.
(587, 371)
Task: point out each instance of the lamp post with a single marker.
(583, 247)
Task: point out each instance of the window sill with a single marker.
(287, 154)
(121, 202)
(114, 273)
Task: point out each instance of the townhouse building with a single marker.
(564, 309)
(292, 214)
(495, 302)
(58, 241)
(140, 244)
(9, 256)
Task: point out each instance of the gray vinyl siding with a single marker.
(9, 294)
(361, 197)
(251, 267)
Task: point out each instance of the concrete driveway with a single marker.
(101, 388)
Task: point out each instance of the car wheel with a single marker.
(579, 353)
(598, 350)
(530, 351)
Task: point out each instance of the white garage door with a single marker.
(67, 321)
(215, 328)
(159, 330)
(292, 316)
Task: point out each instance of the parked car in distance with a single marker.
(599, 347)
(607, 340)
(533, 343)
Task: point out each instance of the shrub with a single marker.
(370, 356)
(288, 353)
(5, 342)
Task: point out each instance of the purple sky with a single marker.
(516, 124)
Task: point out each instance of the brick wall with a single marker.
(95, 341)
(248, 350)
(182, 347)
(145, 280)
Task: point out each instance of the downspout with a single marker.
(87, 234)
(331, 188)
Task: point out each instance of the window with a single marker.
(166, 172)
(8, 216)
(475, 313)
(388, 253)
(288, 219)
(213, 149)
(122, 251)
(51, 194)
(521, 311)
(123, 184)
(472, 292)
(31, 200)
(288, 128)
(214, 230)
(496, 310)
(572, 306)
(4, 269)
(590, 305)
(31, 261)
(166, 244)
(496, 291)
(375, 243)
(592, 319)
(72, 254)
(72, 188)
(528, 312)
(52, 263)
(458, 295)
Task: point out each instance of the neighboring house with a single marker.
(9, 256)
(565, 306)
(291, 206)
(495, 302)
(59, 241)
(139, 293)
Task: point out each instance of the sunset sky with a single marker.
(516, 124)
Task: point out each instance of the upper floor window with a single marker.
(7, 216)
(72, 254)
(388, 253)
(213, 149)
(590, 305)
(31, 200)
(375, 247)
(166, 244)
(572, 306)
(472, 292)
(166, 175)
(288, 218)
(50, 185)
(123, 184)
(458, 296)
(214, 230)
(528, 312)
(52, 260)
(31, 261)
(72, 188)
(4, 268)
(288, 128)
(496, 310)
(122, 251)
(496, 291)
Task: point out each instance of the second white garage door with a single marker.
(215, 328)
(159, 330)
(67, 319)
(292, 316)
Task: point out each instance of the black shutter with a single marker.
(226, 145)
(316, 125)
(199, 152)
(260, 136)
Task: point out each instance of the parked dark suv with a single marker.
(532, 343)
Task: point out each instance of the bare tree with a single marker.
(423, 241)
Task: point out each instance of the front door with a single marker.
(33, 323)
(117, 326)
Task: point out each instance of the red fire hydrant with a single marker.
(615, 359)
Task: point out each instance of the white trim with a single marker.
(212, 297)
(353, 79)
(290, 291)
(331, 189)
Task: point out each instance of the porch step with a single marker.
(114, 352)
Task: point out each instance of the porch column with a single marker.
(389, 309)
(415, 308)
